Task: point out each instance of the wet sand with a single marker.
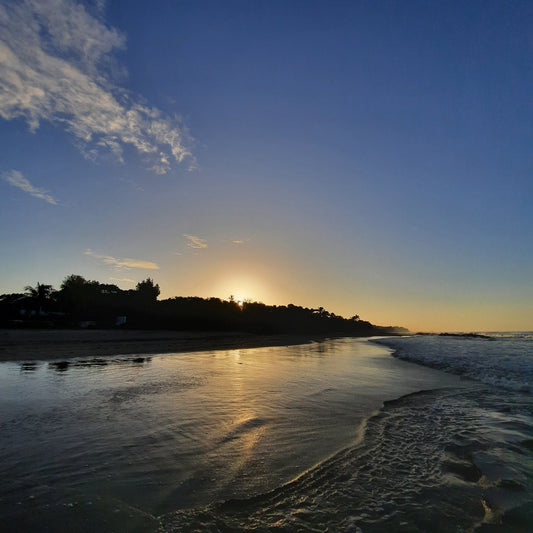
(32, 345)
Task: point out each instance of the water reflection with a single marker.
(30, 366)
(168, 431)
(59, 366)
(325, 347)
(96, 362)
(92, 362)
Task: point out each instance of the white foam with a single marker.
(502, 361)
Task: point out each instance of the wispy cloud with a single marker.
(125, 263)
(15, 178)
(195, 242)
(132, 184)
(122, 280)
(56, 65)
(239, 242)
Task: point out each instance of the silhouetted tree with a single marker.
(77, 295)
(40, 294)
(74, 283)
(147, 290)
(80, 299)
(73, 292)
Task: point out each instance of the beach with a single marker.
(43, 345)
(335, 435)
(116, 442)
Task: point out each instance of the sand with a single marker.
(32, 345)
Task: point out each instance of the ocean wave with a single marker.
(507, 362)
(428, 462)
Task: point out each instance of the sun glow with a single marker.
(240, 290)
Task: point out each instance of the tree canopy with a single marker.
(148, 290)
(79, 299)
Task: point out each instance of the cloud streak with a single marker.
(15, 178)
(195, 242)
(123, 264)
(55, 66)
(123, 280)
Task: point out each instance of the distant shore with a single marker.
(34, 345)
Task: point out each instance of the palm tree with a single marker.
(40, 294)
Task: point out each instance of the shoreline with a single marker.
(46, 345)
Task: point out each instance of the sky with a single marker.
(369, 157)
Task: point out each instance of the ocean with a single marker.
(409, 434)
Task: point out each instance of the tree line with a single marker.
(91, 303)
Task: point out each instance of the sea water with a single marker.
(335, 436)
(438, 460)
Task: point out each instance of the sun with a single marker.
(239, 299)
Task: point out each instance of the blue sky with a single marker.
(367, 157)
